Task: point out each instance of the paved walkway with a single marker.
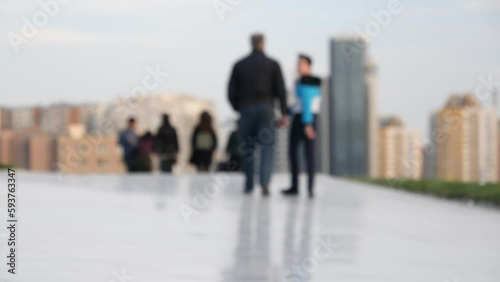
(200, 228)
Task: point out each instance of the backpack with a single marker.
(204, 141)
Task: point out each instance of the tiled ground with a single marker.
(200, 228)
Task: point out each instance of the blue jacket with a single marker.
(308, 91)
(129, 141)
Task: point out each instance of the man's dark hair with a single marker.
(131, 120)
(306, 58)
(257, 40)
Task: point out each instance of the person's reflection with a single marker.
(297, 259)
(166, 185)
(252, 258)
(161, 187)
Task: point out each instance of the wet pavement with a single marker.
(201, 228)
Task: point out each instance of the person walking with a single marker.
(129, 141)
(203, 143)
(166, 145)
(255, 83)
(303, 129)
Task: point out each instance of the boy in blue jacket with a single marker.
(303, 129)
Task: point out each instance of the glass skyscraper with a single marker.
(352, 118)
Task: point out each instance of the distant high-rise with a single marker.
(7, 138)
(498, 150)
(400, 154)
(71, 156)
(323, 144)
(467, 147)
(5, 119)
(352, 111)
(23, 118)
(41, 152)
(281, 159)
(430, 153)
(55, 119)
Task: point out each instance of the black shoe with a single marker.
(265, 191)
(247, 191)
(290, 192)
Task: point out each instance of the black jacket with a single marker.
(257, 79)
(166, 140)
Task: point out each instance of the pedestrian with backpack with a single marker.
(203, 143)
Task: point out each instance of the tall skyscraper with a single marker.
(353, 120)
(373, 128)
(467, 148)
(400, 154)
(323, 144)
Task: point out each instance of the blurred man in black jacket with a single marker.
(256, 82)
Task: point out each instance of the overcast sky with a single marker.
(95, 50)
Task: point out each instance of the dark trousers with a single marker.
(298, 136)
(203, 160)
(257, 131)
(131, 163)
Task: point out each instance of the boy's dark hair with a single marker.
(306, 58)
(131, 120)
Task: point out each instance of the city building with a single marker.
(281, 144)
(498, 150)
(55, 119)
(97, 120)
(352, 113)
(372, 116)
(23, 118)
(40, 153)
(400, 152)
(467, 146)
(430, 149)
(5, 119)
(323, 145)
(37, 117)
(87, 154)
(76, 152)
(20, 147)
(7, 147)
